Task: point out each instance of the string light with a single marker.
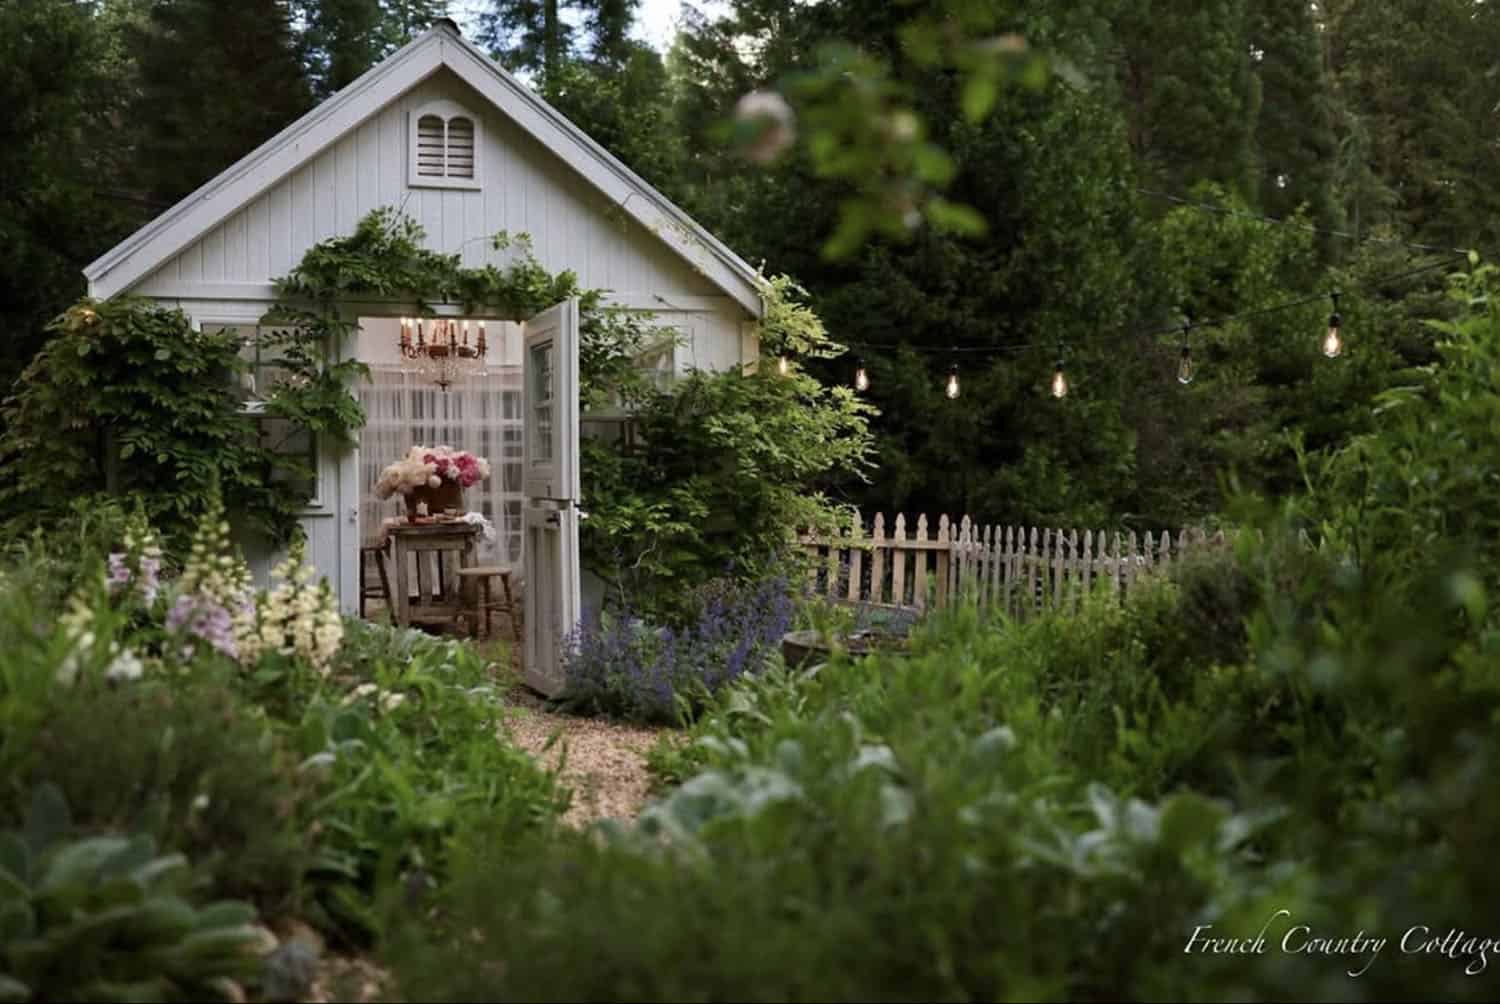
(783, 366)
(1185, 366)
(861, 378)
(952, 389)
(1333, 341)
(1332, 344)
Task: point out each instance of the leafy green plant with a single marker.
(190, 764)
(897, 828)
(404, 732)
(128, 397)
(108, 918)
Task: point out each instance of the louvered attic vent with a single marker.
(445, 146)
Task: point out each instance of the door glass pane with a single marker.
(541, 396)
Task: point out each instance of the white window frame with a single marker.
(447, 111)
(318, 505)
(676, 340)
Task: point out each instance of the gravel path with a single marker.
(603, 762)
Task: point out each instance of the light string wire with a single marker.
(1246, 214)
(1173, 329)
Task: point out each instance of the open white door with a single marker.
(550, 483)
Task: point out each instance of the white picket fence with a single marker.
(1021, 569)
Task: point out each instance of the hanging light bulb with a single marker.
(1059, 381)
(783, 365)
(1333, 341)
(952, 387)
(1185, 363)
(861, 378)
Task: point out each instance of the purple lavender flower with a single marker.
(625, 666)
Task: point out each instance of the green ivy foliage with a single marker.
(724, 468)
(384, 260)
(128, 398)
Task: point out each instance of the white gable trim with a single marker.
(156, 243)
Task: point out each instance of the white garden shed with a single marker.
(444, 133)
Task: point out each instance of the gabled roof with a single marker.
(442, 46)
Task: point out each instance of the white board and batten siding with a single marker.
(215, 254)
(525, 188)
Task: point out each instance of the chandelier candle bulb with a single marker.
(952, 388)
(1185, 366)
(1059, 382)
(861, 377)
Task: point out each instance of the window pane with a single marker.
(541, 395)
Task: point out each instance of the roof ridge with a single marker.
(347, 100)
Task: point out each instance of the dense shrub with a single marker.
(128, 396)
(299, 761)
(943, 826)
(722, 467)
(406, 731)
(624, 666)
(190, 763)
(892, 829)
(108, 918)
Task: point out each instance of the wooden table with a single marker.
(426, 541)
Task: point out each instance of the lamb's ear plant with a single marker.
(109, 918)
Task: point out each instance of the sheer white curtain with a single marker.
(481, 414)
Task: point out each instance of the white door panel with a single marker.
(552, 594)
(550, 376)
(550, 514)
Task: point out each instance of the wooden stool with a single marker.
(366, 592)
(484, 603)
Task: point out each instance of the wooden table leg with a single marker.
(424, 580)
(385, 582)
(510, 602)
(402, 598)
(484, 603)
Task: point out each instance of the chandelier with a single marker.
(439, 349)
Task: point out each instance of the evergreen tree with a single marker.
(1058, 266)
(216, 80)
(62, 202)
(541, 37)
(1190, 95)
(607, 24)
(1295, 142)
(1417, 83)
(344, 38)
(627, 107)
(404, 20)
(341, 40)
(527, 36)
